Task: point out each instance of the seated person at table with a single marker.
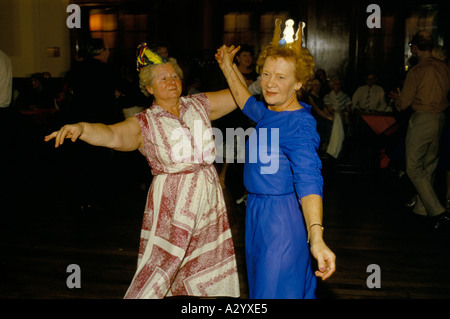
(336, 100)
(369, 97)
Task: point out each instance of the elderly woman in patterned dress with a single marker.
(186, 248)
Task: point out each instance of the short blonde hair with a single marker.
(303, 62)
(147, 74)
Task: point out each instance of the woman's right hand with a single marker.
(72, 131)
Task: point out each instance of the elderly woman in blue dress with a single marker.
(284, 205)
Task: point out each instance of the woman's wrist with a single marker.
(228, 71)
(83, 129)
(315, 232)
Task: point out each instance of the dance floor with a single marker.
(366, 225)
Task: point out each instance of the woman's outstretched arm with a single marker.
(123, 136)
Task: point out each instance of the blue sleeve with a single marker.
(254, 109)
(300, 146)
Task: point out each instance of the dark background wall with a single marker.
(336, 31)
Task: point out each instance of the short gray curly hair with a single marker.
(147, 74)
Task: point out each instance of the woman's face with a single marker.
(335, 85)
(166, 83)
(245, 58)
(316, 86)
(278, 81)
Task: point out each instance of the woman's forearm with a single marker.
(236, 84)
(97, 134)
(313, 213)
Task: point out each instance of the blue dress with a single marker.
(281, 167)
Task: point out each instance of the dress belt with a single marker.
(271, 195)
(206, 168)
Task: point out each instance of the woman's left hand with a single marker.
(225, 55)
(326, 259)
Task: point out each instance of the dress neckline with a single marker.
(170, 114)
(303, 107)
(285, 110)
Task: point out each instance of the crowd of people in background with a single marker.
(92, 91)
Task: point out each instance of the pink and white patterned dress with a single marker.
(186, 248)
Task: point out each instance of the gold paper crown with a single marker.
(288, 38)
